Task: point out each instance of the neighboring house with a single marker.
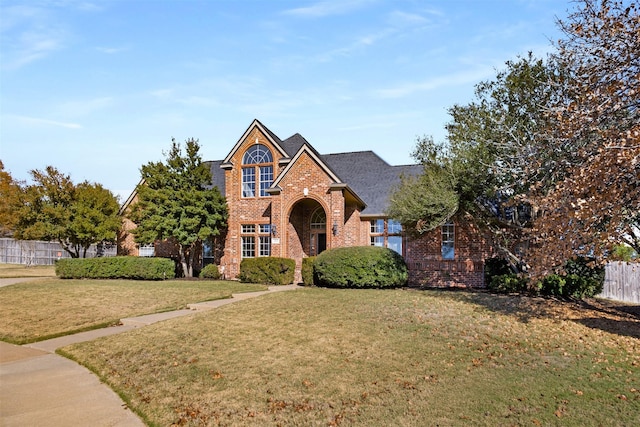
(287, 200)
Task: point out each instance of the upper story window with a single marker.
(257, 171)
(448, 241)
(386, 233)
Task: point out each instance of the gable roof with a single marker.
(272, 137)
(363, 174)
(370, 177)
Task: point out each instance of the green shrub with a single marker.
(307, 270)
(360, 267)
(210, 271)
(122, 267)
(267, 270)
(592, 274)
(495, 267)
(507, 284)
(552, 285)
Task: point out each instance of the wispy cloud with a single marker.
(473, 75)
(112, 50)
(40, 121)
(85, 107)
(327, 8)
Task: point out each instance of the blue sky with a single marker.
(99, 88)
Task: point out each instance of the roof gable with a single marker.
(272, 137)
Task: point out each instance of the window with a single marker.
(318, 220)
(252, 234)
(386, 233)
(448, 241)
(256, 163)
(147, 250)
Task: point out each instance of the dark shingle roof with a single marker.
(292, 144)
(369, 176)
(217, 175)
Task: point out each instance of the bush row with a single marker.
(580, 279)
(120, 267)
(267, 270)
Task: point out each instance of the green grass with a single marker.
(379, 358)
(19, 270)
(47, 308)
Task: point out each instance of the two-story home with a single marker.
(285, 199)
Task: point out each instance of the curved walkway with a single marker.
(40, 388)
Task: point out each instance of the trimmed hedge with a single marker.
(267, 270)
(307, 270)
(210, 271)
(360, 267)
(121, 267)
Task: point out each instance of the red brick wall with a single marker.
(427, 268)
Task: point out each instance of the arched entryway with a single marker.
(307, 229)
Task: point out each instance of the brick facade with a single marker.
(307, 184)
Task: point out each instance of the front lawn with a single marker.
(378, 358)
(47, 308)
(20, 270)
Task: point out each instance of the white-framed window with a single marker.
(147, 250)
(255, 240)
(386, 233)
(257, 167)
(448, 241)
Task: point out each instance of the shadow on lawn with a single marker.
(609, 316)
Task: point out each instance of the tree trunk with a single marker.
(186, 260)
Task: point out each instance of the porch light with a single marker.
(334, 229)
(274, 230)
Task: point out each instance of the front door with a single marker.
(318, 242)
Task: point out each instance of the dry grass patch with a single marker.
(376, 358)
(19, 270)
(47, 308)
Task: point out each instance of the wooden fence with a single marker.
(622, 282)
(34, 252)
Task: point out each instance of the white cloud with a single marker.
(473, 75)
(327, 8)
(39, 121)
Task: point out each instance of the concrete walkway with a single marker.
(40, 388)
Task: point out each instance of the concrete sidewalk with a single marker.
(40, 388)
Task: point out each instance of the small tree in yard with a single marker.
(76, 216)
(9, 201)
(176, 201)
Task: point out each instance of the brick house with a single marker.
(287, 200)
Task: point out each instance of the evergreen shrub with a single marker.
(307, 270)
(360, 267)
(121, 267)
(495, 267)
(507, 284)
(210, 271)
(267, 270)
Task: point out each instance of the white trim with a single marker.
(255, 124)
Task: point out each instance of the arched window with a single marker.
(257, 167)
(318, 220)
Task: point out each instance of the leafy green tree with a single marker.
(425, 202)
(9, 201)
(175, 201)
(482, 171)
(76, 216)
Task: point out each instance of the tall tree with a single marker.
(484, 165)
(596, 203)
(76, 216)
(176, 201)
(9, 200)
